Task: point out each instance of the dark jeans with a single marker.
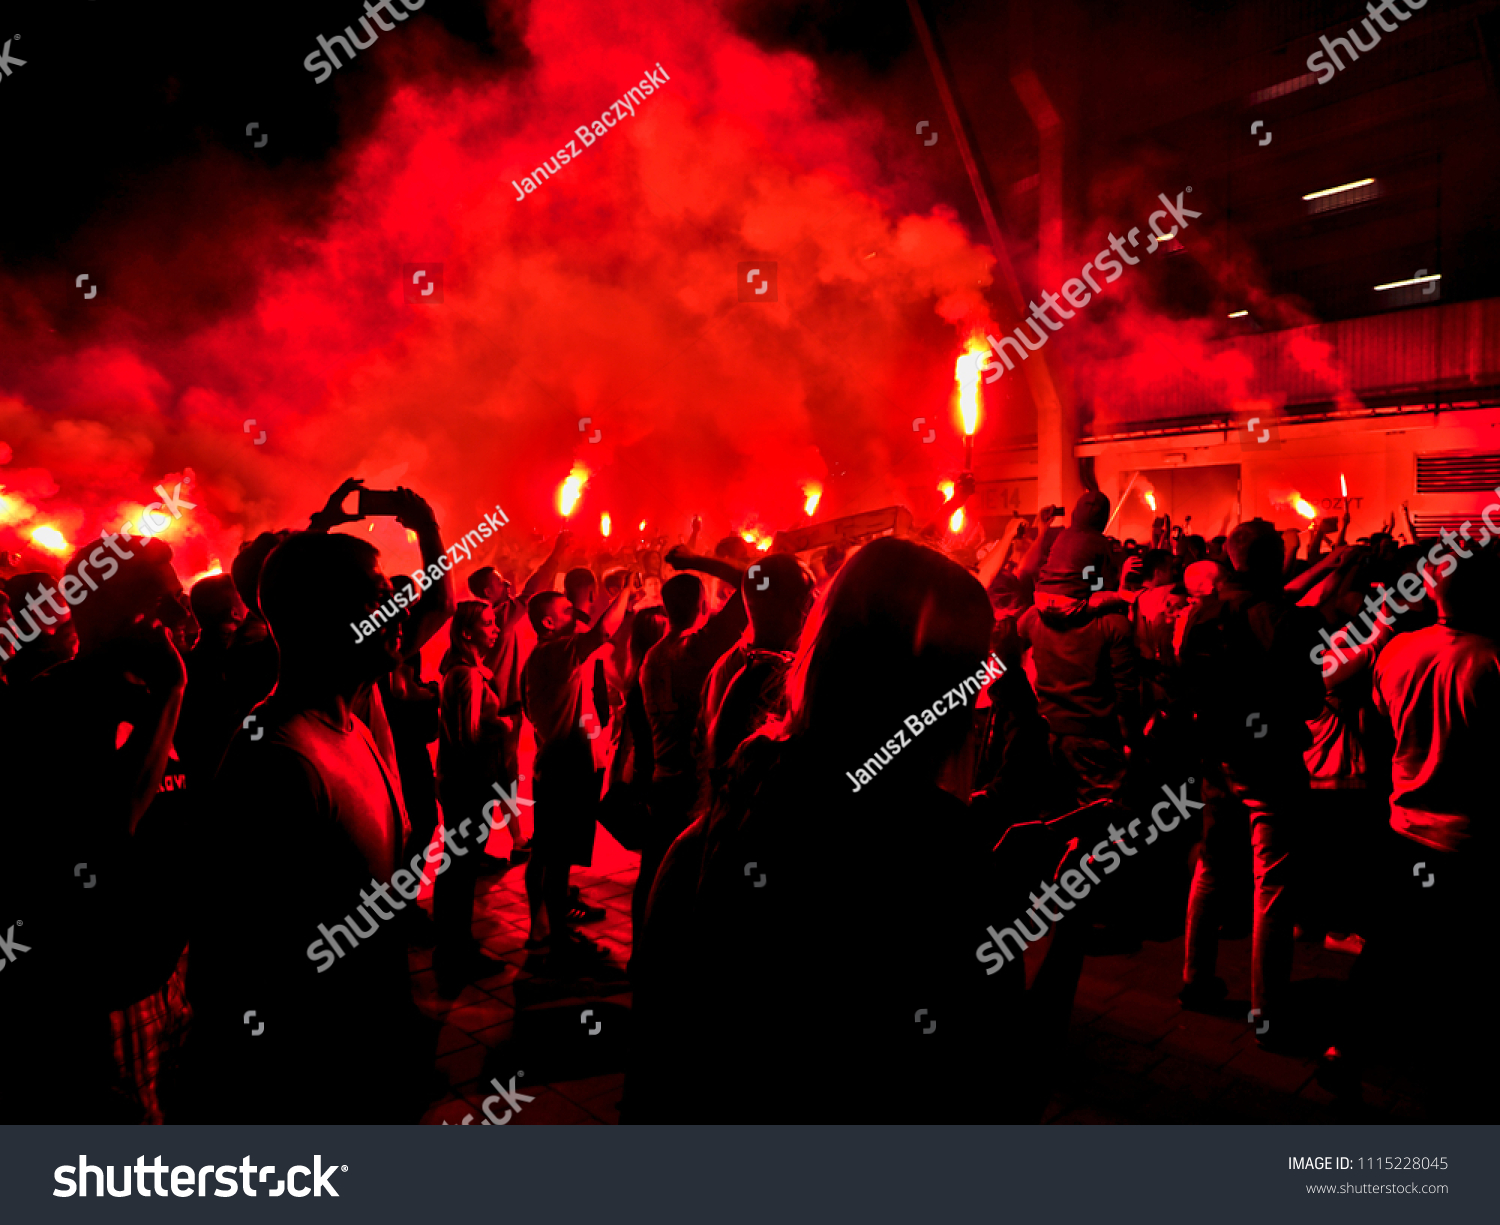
(453, 889)
(1266, 804)
(564, 823)
(1093, 766)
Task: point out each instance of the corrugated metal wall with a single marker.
(1406, 355)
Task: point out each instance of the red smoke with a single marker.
(609, 293)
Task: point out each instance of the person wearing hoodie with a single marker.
(1084, 656)
(1077, 560)
(1248, 676)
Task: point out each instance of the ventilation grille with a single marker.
(1431, 526)
(1458, 473)
(1346, 198)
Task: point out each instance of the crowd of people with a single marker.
(224, 812)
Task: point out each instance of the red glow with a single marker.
(1302, 506)
(342, 375)
(49, 538)
(571, 490)
(756, 538)
(967, 373)
(605, 525)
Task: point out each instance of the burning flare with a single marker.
(1302, 506)
(946, 489)
(1343, 485)
(1150, 497)
(50, 539)
(814, 493)
(956, 520)
(571, 490)
(605, 524)
(756, 538)
(970, 365)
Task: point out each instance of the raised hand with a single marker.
(414, 514)
(333, 512)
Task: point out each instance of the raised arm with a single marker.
(1323, 567)
(436, 604)
(541, 578)
(608, 613)
(681, 558)
(1410, 526)
(1036, 556)
(990, 565)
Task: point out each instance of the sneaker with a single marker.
(581, 912)
(1205, 995)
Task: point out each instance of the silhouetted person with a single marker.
(469, 763)
(1084, 651)
(749, 977)
(626, 807)
(1246, 664)
(210, 710)
(411, 710)
(777, 601)
(89, 873)
(672, 678)
(569, 780)
(292, 924)
(1439, 689)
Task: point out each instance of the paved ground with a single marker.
(1136, 1057)
(498, 1026)
(1133, 1054)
